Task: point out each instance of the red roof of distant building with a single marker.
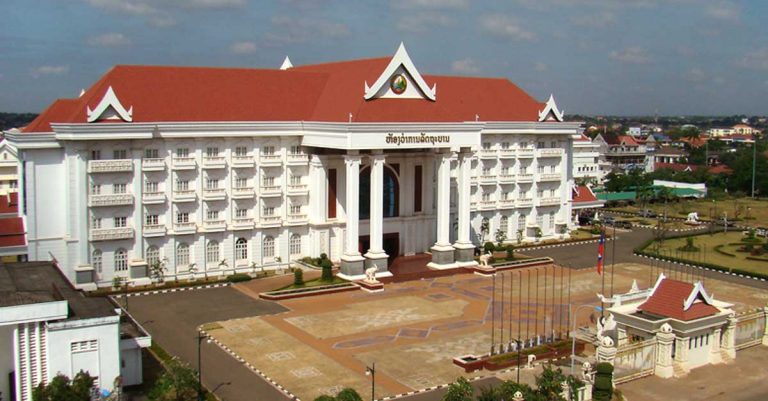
(324, 92)
(9, 203)
(668, 150)
(720, 169)
(12, 232)
(582, 194)
(696, 142)
(677, 166)
(669, 299)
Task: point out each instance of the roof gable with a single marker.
(400, 79)
(679, 300)
(551, 112)
(109, 108)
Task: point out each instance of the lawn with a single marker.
(727, 243)
(312, 283)
(751, 211)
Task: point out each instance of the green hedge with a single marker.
(238, 278)
(719, 249)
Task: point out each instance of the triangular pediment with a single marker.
(698, 293)
(551, 112)
(400, 80)
(110, 108)
(286, 64)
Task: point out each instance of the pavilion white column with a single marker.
(351, 261)
(465, 250)
(376, 255)
(442, 251)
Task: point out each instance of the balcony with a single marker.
(214, 194)
(153, 164)
(550, 152)
(110, 200)
(524, 153)
(271, 221)
(184, 163)
(214, 225)
(242, 223)
(242, 161)
(189, 227)
(473, 205)
(154, 230)
(298, 189)
(108, 234)
(184, 195)
(298, 218)
(507, 154)
(525, 178)
(214, 162)
(270, 160)
(549, 201)
(487, 179)
(488, 153)
(110, 166)
(149, 198)
(506, 204)
(298, 159)
(506, 178)
(270, 191)
(242, 193)
(549, 177)
(487, 205)
(524, 202)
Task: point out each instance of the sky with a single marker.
(598, 57)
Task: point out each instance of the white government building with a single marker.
(219, 169)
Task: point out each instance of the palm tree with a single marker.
(665, 194)
(644, 194)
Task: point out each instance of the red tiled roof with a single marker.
(720, 169)
(696, 142)
(323, 92)
(12, 232)
(667, 150)
(628, 140)
(668, 300)
(676, 166)
(582, 194)
(9, 203)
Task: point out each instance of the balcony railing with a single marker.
(271, 220)
(214, 225)
(549, 201)
(153, 197)
(242, 223)
(242, 161)
(524, 152)
(214, 162)
(506, 153)
(154, 230)
(488, 153)
(189, 227)
(184, 195)
(473, 204)
(487, 179)
(506, 178)
(270, 190)
(549, 177)
(184, 163)
(506, 203)
(487, 204)
(110, 200)
(242, 192)
(525, 178)
(214, 193)
(298, 159)
(524, 202)
(269, 160)
(153, 164)
(108, 234)
(298, 189)
(297, 218)
(110, 166)
(550, 152)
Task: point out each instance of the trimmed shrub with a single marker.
(510, 252)
(603, 389)
(298, 277)
(327, 266)
(489, 247)
(323, 256)
(238, 278)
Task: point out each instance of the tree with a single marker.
(177, 383)
(157, 270)
(348, 394)
(298, 277)
(460, 390)
(62, 389)
(327, 273)
(644, 194)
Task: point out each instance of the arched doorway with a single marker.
(391, 191)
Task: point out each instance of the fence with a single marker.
(634, 360)
(750, 328)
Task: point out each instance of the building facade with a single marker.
(216, 170)
(589, 166)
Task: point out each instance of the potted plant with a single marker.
(537, 233)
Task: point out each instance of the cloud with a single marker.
(243, 48)
(756, 60)
(109, 40)
(49, 70)
(433, 4)
(504, 26)
(161, 13)
(300, 30)
(695, 75)
(465, 66)
(724, 10)
(631, 55)
(423, 22)
(539, 66)
(595, 20)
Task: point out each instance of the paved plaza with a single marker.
(413, 330)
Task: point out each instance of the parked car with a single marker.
(624, 224)
(608, 220)
(646, 213)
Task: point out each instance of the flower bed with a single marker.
(307, 292)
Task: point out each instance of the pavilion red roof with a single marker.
(669, 298)
(582, 194)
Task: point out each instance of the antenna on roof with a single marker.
(350, 117)
(286, 64)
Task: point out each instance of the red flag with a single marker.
(600, 252)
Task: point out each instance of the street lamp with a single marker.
(200, 337)
(371, 371)
(573, 313)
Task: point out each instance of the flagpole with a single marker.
(528, 306)
(613, 256)
(501, 326)
(536, 308)
(511, 300)
(602, 273)
(493, 315)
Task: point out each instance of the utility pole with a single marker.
(754, 162)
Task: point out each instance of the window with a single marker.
(268, 181)
(151, 187)
(120, 221)
(241, 213)
(212, 215)
(268, 246)
(541, 145)
(84, 346)
(96, 222)
(540, 220)
(241, 182)
(119, 154)
(295, 209)
(241, 151)
(486, 171)
(332, 192)
(118, 188)
(295, 180)
(182, 254)
(504, 224)
(95, 189)
(211, 183)
(95, 155)
(417, 187)
(268, 211)
(96, 260)
(523, 169)
(486, 196)
(212, 252)
(295, 244)
(241, 249)
(486, 146)
(182, 152)
(212, 151)
(505, 145)
(268, 151)
(182, 185)
(541, 169)
(540, 193)
(505, 195)
(151, 220)
(521, 222)
(153, 256)
(505, 170)
(121, 260)
(553, 144)
(151, 154)
(551, 219)
(523, 145)
(552, 169)
(552, 193)
(182, 217)
(295, 150)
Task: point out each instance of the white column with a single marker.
(377, 206)
(352, 210)
(464, 195)
(443, 199)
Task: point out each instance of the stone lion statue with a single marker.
(370, 274)
(484, 259)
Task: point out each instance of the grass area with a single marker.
(580, 235)
(751, 211)
(718, 249)
(312, 283)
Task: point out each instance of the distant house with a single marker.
(13, 241)
(588, 163)
(668, 154)
(622, 151)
